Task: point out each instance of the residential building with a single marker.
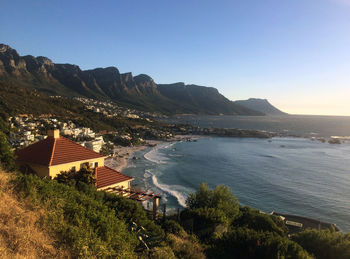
(51, 156)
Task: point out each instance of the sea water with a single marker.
(301, 125)
(288, 175)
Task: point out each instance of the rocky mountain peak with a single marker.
(45, 61)
(5, 48)
(143, 78)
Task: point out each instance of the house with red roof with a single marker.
(56, 154)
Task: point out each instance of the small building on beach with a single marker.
(55, 154)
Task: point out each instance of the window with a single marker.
(96, 164)
(73, 169)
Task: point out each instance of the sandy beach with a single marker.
(123, 154)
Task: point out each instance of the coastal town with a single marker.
(26, 129)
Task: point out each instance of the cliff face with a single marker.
(108, 83)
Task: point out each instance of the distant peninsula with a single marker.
(261, 105)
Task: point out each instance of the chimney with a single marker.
(53, 133)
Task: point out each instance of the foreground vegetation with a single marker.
(21, 232)
(88, 223)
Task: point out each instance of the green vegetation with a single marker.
(89, 223)
(227, 229)
(324, 244)
(7, 160)
(82, 223)
(38, 103)
(248, 243)
(84, 175)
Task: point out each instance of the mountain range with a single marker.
(139, 91)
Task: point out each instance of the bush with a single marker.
(210, 211)
(220, 198)
(247, 243)
(204, 221)
(7, 159)
(86, 226)
(324, 244)
(254, 219)
(84, 175)
(185, 247)
(172, 227)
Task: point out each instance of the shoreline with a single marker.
(123, 154)
(122, 162)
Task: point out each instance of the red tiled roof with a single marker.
(55, 151)
(106, 176)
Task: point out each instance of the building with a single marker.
(55, 154)
(96, 144)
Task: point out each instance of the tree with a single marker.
(85, 175)
(107, 149)
(7, 159)
(210, 210)
(220, 198)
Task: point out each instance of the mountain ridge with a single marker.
(139, 91)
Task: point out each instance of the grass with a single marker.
(21, 235)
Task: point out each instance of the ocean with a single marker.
(301, 125)
(287, 175)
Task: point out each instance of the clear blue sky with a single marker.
(296, 53)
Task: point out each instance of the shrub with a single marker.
(172, 227)
(247, 243)
(85, 225)
(185, 247)
(7, 159)
(204, 221)
(254, 219)
(324, 244)
(84, 175)
(210, 211)
(220, 198)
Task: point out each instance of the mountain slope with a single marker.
(262, 105)
(108, 83)
(199, 99)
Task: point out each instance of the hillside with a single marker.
(261, 105)
(20, 234)
(43, 218)
(199, 99)
(139, 92)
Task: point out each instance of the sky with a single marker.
(295, 53)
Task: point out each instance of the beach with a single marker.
(123, 154)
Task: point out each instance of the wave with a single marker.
(168, 189)
(147, 174)
(170, 145)
(154, 156)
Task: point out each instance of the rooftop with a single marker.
(107, 176)
(55, 150)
